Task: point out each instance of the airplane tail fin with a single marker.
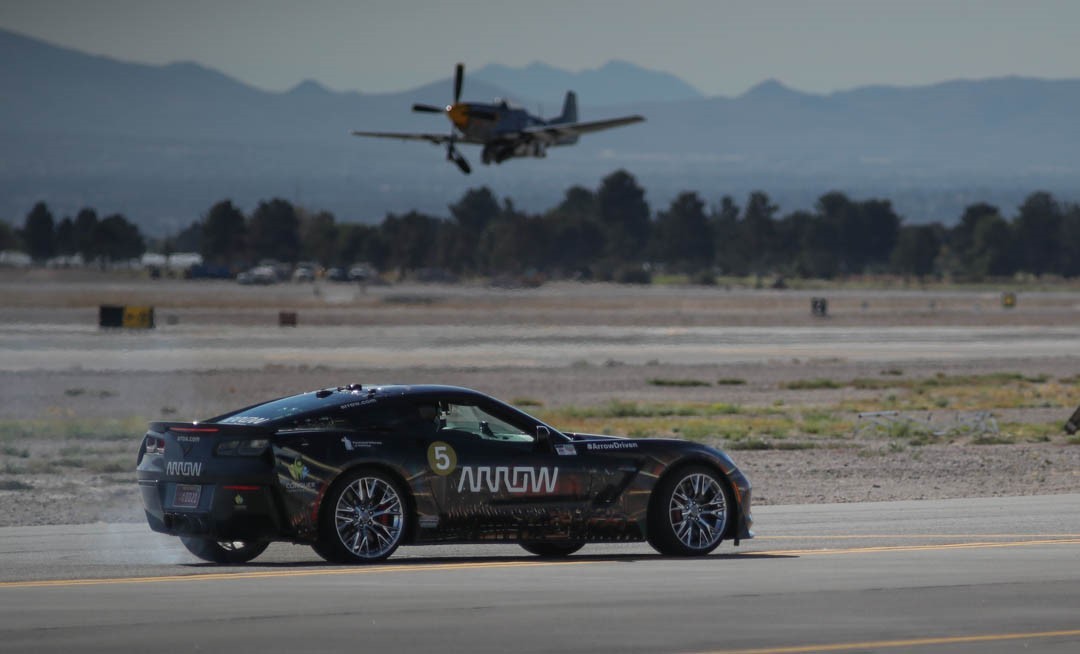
(569, 109)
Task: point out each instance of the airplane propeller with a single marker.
(458, 109)
(428, 109)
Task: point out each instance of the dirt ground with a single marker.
(851, 469)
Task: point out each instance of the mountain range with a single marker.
(163, 143)
(616, 82)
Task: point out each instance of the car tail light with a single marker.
(242, 447)
(155, 444)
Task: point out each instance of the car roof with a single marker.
(345, 396)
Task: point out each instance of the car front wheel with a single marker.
(225, 552)
(364, 519)
(689, 513)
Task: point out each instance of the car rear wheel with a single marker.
(364, 518)
(689, 512)
(551, 550)
(226, 552)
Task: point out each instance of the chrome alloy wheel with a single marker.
(369, 518)
(698, 511)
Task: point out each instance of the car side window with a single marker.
(483, 425)
(318, 421)
(390, 418)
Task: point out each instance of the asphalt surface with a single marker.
(59, 347)
(978, 575)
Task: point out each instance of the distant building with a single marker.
(14, 259)
(66, 261)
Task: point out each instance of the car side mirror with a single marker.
(543, 439)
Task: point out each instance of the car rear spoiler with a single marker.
(1073, 423)
(206, 429)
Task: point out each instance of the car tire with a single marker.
(690, 511)
(551, 550)
(364, 518)
(223, 552)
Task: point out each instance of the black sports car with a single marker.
(356, 471)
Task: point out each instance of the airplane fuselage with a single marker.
(493, 124)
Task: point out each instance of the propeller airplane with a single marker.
(503, 130)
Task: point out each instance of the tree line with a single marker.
(608, 233)
(112, 238)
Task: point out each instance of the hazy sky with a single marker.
(720, 46)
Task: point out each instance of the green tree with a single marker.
(37, 233)
(65, 237)
(839, 217)
(758, 231)
(410, 240)
(274, 231)
(730, 255)
(1070, 241)
(189, 239)
(513, 244)
(579, 201)
(1037, 228)
(318, 236)
(864, 233)
(960, 240)
(9, 240)
(878, 230)
(681, 235)
(917, 247)
(223, 240)
(624, 215)
(991, 252)
(962, 236)
(86, 222)
(814, 241)
(475, 210)
(572, 231)
(116, 239)
(361, 243)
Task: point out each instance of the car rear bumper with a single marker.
(233, 511)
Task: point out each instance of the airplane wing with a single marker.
(551, 133)
(437, 139)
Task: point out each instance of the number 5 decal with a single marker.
(441, 458)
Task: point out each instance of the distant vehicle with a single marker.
(360, 272)
(336, 274)
(305, 271)
(355, 471)
(505, 131)
(263, 275)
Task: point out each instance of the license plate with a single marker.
(187, 496)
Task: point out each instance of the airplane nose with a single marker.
(459, 115)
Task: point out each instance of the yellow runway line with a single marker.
(912, 548)
(275, 574)
(911, 642)
(911, 536)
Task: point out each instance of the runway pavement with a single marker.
(195, 347)
(978, 575)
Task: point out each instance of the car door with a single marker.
(493, 480)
